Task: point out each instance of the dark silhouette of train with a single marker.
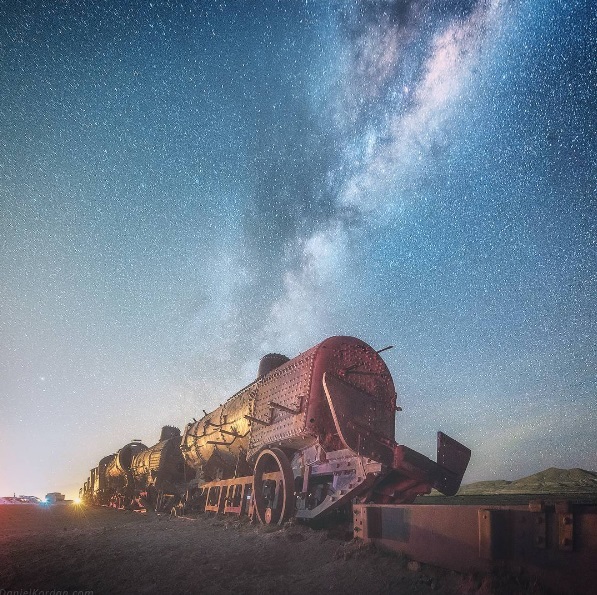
(309, 436)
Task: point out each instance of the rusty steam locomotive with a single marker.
(309, 436)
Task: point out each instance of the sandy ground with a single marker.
(69, 548)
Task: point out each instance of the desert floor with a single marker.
(70, 548)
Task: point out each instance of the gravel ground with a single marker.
(70, 548)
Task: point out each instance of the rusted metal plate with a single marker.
(471, 538)
(565, 531)
(360, 418)
(229, 496)
(453, 459)
(216, 442)
(289, 405)
(161, 464)
(280, 401)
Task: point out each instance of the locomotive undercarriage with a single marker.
(311, 483)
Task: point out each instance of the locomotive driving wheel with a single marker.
(273, 487)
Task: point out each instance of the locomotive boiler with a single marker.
(158, 474)
(99, 486)
(309, 436)
(109, 483)
(140, 477)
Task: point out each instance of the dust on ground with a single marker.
(70, 548)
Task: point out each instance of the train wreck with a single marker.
(309, 436)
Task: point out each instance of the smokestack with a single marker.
(270, 362)
(169, 432)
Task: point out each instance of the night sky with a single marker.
(186, 186)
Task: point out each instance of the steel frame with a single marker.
(555, 543)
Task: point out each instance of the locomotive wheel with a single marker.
(273, 487)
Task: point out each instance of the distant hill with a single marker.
(483, 487)
(550, 481)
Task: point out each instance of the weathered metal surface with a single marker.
(472, 538)
(120, 465)
(452, 459)
(364, 421)
(101, 471)
(270, 362)
(273, 487)
(217, 443)
(330, 412)
(280, 401)
(288, 406)
(335, 482)
(162, 465)
(228, 496)
(335, 403)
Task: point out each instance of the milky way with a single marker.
(186, 186)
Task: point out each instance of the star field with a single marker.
(186, 186)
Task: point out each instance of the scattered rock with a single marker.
(413, 566)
